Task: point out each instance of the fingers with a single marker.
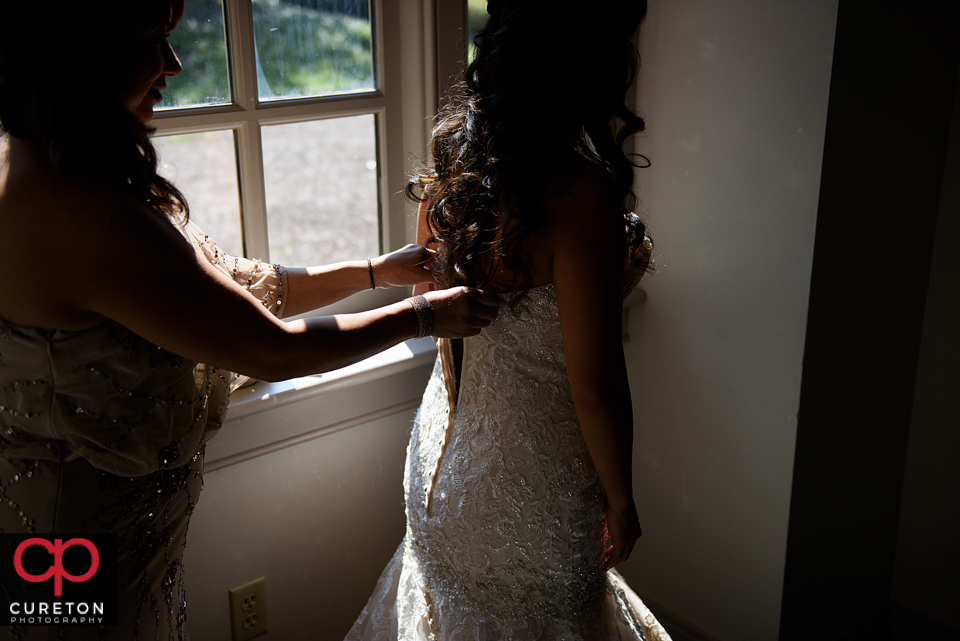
(617, 553)
(462, 311)
(488, 299)
(622, 531)
(408, 265)
(483, 308)
(488, 305)
(420, 257)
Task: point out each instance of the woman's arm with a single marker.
(303, 289)
(586, 235)
(312, 287)
(105, 255)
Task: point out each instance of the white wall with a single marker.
(320, 520)
(304, 487)
(735, 98)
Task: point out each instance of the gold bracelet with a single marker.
(373, 285)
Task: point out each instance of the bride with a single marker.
(518, 485)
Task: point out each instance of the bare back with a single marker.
(42, 234)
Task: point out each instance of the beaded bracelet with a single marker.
(425, 317)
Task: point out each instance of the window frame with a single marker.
(395, 112)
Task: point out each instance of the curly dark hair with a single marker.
(544, 95)
(57, 88)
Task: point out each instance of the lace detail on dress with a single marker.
(505, 519)
(267, 283)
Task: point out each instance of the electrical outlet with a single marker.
(248, 609)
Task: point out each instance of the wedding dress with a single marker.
(102, 431)
(505, 519)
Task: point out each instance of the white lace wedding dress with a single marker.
(504, 508)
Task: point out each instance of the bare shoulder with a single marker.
(61, 237)
(583, 204)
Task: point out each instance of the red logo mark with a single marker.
(56, 570)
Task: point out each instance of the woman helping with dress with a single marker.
(519, 496)
(121, 324)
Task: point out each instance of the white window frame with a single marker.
(402, 102)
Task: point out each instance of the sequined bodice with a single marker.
(104, 395)
(102, 431)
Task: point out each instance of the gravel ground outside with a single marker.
(321, 188)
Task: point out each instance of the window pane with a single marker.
(312, 47)
(200, 43)
(204, 167)
(476, 19)
(321, 187)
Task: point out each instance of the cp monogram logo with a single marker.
(56, 570)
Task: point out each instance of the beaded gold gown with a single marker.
(504, 507)
(102, 431)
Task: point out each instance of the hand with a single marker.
(622, 530)
(406, 266)
(461, 311)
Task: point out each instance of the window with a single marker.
(476, 19)
(285, 128)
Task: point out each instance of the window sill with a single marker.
(266, 417)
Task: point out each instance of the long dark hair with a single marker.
(544, 95)
(57, 87)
